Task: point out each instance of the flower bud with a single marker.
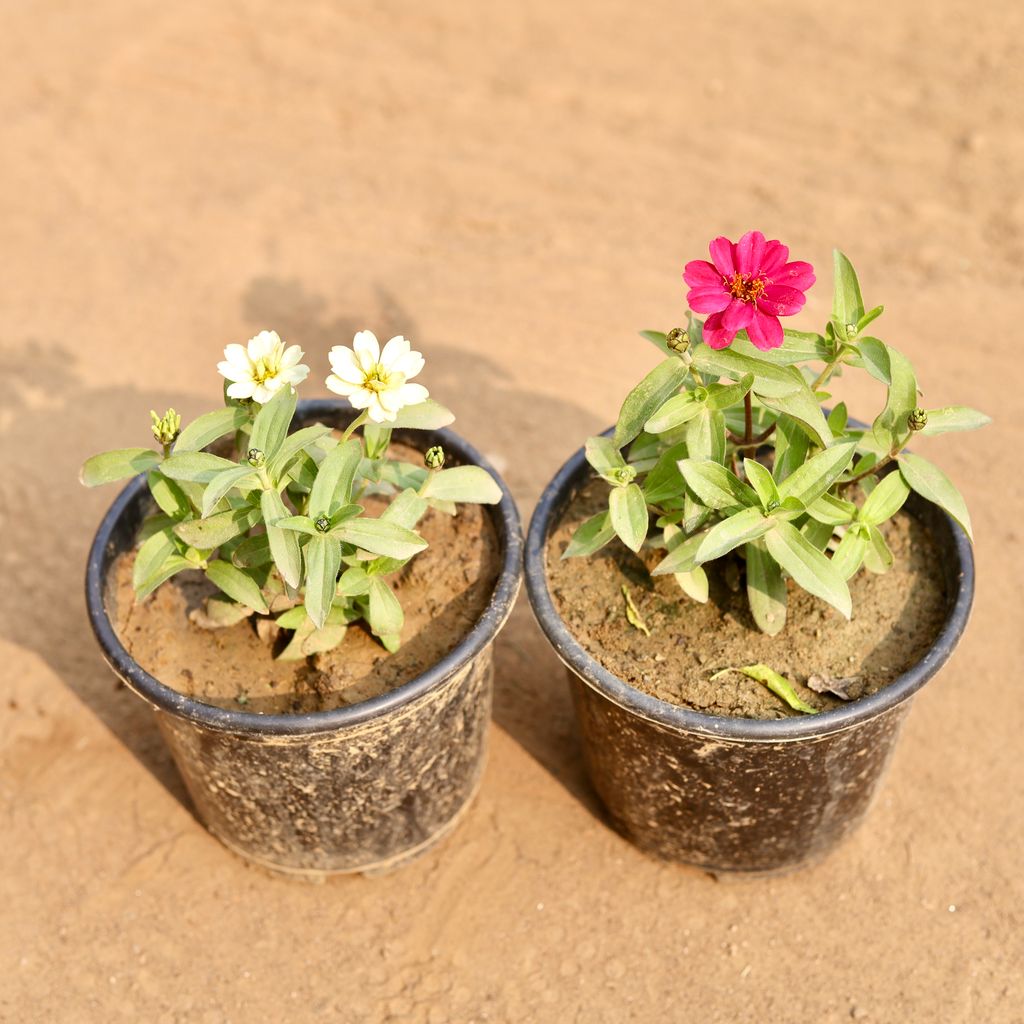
(677, 340)
(255, 457)
(166, 428)
(434, 457)
(623, 475)
(918, 419)
(322, 523)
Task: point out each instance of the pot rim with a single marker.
(680, 719)
(504, 516)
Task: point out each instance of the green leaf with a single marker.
(847, 304)
(885, 500)
(818, 473)
(874, 357)
(779, 685)
(241, 477)
(682, 556)
(196, 467)
(694, 584)
(770, 380)
(406, 509)
(730, 533)
(463, 483)
(354, 582)
(292, 445)
(590, 536)
(954, 417)
(808, 567)
(838, 418)
(210, 533)
(117, 465)
(877, 556)
(270, 427)
(832, 511)
(385, 613)
(172, 565)
(705, 436)
(849, 553)
(798, 347)
(890, 428)
(299, 524)
(763, 484)
(870, 316)
(647, 397)
(817, 534)
(293, 618)
(933, 485)
(380, 537)
(323, 560)
(679, 409)
(722, 396)
(333, 484)
(660, 341)
(628, 515)
(253, 552)
(210, 427)
(425, 415)
(152, 555)
(604, 456)
(791, 447)
(168, 495)
(665, 481)
(802, 406)
(236, 584)
(284, 544)
(766, 589)
(716, 486)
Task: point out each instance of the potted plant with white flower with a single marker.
(747, 588)
(308, 593)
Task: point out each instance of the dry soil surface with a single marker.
(516, 187)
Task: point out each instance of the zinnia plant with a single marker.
(725, 447)
(276, 521)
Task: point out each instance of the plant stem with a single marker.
(754, 441)
(355, 425)
(829, 369)
(748, 420)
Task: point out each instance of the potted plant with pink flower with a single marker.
(308, 594)
(746, 585)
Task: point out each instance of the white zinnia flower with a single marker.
(374, 380)
(260, 369)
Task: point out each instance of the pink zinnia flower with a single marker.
(749, 285)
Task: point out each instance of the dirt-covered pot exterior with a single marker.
(355, 789)
(734, 794)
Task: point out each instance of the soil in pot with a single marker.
(896, 618)
(443, 590)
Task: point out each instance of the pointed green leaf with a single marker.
(333, 484)
(874, 357)
(425, 415)
(694, 584)
(380, 537)
(590, 536)
(779, 685)
(253, 552)
(172, 565)
(885, 500)
(152, 555)
(723, 537)
(117, 465)
(679, 409)
(791, 447)
(954, 417)
(763, 483)
(299, 524)
(647, 397)
(849, 553)
(284, 544)
(241, 477)
(292, 445)
(270, 427)
(323, 560)
(818, 473)
(463, 483)
(210, 533)
(239, 586)
(766, 589)
(210, 427)
(802, 406)
(847, 304)
(809, 568)
(384, 613)
(354, 582)
(933, 485)
(628, 515)
(716, 486)
(665, 481)
(877, 556)
(195, 467)
(604, 456)
(705, 436)
(890, 428)
(168, 495)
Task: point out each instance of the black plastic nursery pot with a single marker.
(735, 794)
(354, 789)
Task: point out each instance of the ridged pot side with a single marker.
(735, 794)
(353, 789)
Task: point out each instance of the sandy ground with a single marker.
(516, 187)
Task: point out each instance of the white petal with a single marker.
(263, 344)
(294, 374)
(232, 372)
(393, 352)
(345, 365)
(378, 413)
(242, 389)
(366, 349)
(341, 387)
(361, 398)
(291, 356)
(389, 401)
(410, 364)
(412, 394)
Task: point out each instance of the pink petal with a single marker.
(795, 275)
(778, 300)
(708, 300)
(775, 255)
(722, 256)
(764, 331)
(701, 274)
(715, 334)
(738, 315)
(749, 252)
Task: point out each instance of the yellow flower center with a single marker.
(263, 370)
(378, 379)
(746, 287)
